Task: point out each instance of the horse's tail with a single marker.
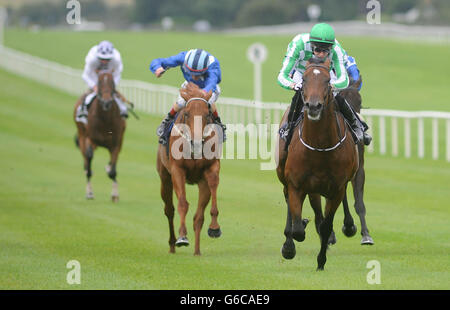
(76, 140)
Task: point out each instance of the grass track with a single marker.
(45, 220)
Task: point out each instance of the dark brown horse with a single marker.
(105, 127)
(322, 158)
(353, 97)
(193, 158)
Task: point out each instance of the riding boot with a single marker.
(218, 121)
(294, 111)
(162, 128)
(351, 118)
(366, 137)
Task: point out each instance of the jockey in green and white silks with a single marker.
(319, 43)
(300, 51)
(101, 57)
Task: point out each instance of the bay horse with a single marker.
(353, 97)
(320, 161)
(186, 161)
(105, 127)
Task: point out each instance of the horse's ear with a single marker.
(208, 95)
(184, 94)
(327, 62)
(358, 82)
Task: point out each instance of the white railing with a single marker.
(157, 100)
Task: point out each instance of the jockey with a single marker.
(101, 57)
(197, 66)
(319, 43)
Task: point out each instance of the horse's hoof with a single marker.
(349, 231)
(332, 239)
(305, 222)
(288, 250)
(115, 198)
(182, 241)
(320, 268)
(90, 196)
(214, 233)
(367, 240)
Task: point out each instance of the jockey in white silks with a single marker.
(101, 57)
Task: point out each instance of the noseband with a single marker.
(106, 104)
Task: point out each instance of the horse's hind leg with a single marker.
(212, 178)
(358, 193)
(204, 194)
(349, 228)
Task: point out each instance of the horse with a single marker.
(353, 97)
(105, 127)
(186, 161)
(320, 161)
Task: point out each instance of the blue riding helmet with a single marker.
(196, 61)
(105, 50)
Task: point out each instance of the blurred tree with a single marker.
(268, 12)
(147, 11)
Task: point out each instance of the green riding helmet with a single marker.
(322, 33)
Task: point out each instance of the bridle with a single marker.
(106, 104)
(327, 100)
(186, 135)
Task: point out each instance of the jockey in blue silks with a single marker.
(352, 70)
(197, 66)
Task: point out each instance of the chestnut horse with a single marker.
(105, 127)
(353, 97)
(189, 160)
(321, 159)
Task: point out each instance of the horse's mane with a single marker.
(193, 91)
(316, 61)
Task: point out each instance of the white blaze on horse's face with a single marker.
(316, 71)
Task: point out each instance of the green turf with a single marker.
(45, 220)
(397, 75)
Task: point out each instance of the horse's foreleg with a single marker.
(169, 210)
(112, 173)
(326, 227)
(204, 195)
(179, 185)
(349, 229)
(296, 198)
(288, 249)
(316, 205)
(212, 178)
(88, 156)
